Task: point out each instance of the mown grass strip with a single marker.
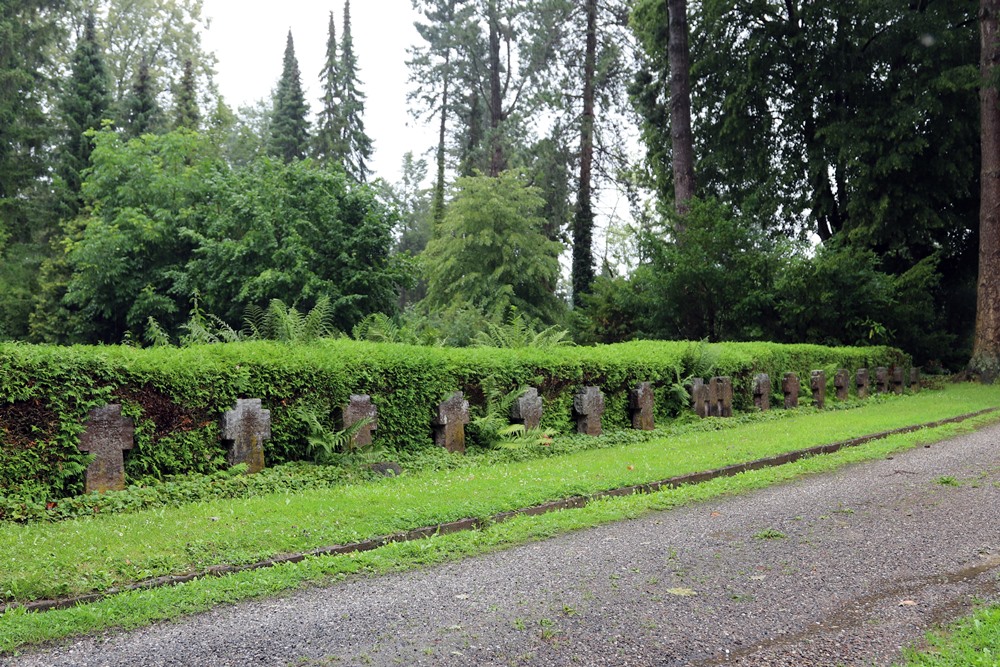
(78, 557)
(425, 532)
(19, 628)
(973, 641)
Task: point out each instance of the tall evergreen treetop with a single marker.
(329, 146)
(141, 113)
(352, 107)
(289, 138)
(186, 112)
(85, 103)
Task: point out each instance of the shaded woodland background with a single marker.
(836, 157)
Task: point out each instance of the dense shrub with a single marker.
(176, 396)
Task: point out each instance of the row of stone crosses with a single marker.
(245, 428)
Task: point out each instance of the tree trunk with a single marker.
(680, 106)
(986, 349)
(497, 161)
(438, 202)
(583, 221)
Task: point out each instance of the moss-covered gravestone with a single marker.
(449, 423)
(244, 430)
(588, 408)
(897, 380)
(841, 382)
(527, 409)
(762, 392)
(359, 408)
(108, 434)
(720, 390)
(863, 383)
(790, 388)
(640, 405)
(817, 383)
(882, 379)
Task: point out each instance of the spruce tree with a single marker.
(289, 138)
(84, 104)
(328, 140)
(141, 112)
(352, 107)
(186, 112)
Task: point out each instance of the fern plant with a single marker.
(285, 323)
(699, 360)
(519, 332)
(493, 429)
(328, 447)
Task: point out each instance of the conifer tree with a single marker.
(328, 140)
(352, 107)
(84, 104)
(289, 138)
(186, 112)
(141, 112)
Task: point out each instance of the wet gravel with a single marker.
(837, 569)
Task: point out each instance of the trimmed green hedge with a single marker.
(177, 395)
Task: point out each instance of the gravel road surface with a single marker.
(836, 569)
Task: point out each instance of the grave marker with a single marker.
(790, 387)
(527, 409)
(863, 383)
(358, 408)
(897, 380)
(882, 379)
(840, 382)
(762, 392)
(640, 404)
(700, 397)
(449, 423)
(721, 394)
(108, 434)
(244, 429)
(915, 379)
(588, 407)
(817, 382)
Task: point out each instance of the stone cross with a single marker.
(640, 405)
(841, 381)
(790, 387)
(720, 390)
(863, 383)
(449, 423)
(897, 380)
(915, 379)
(817, 382)
(882, 379)
(527, 409)
(107, 435)
(700, 397)
(358, 408)
(588, 407)
(762, 392)
(245, 428)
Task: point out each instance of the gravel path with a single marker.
(872, 556)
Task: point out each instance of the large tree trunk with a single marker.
(583, 221)
(680, 105)
(497, 161)
(986, 349)
(438, 203)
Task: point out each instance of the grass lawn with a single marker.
(970, 642)
(53, 559)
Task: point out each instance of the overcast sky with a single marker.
(248, 38)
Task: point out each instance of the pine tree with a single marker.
(141, 112)
(84, 105)
(186, 112)
(352, 107)
(328, 141)
(289, 138)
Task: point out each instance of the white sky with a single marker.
(248, 38)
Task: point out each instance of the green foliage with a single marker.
(355, 143)
(490, 251)
(186, 113)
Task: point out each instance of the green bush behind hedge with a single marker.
(176, 395)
